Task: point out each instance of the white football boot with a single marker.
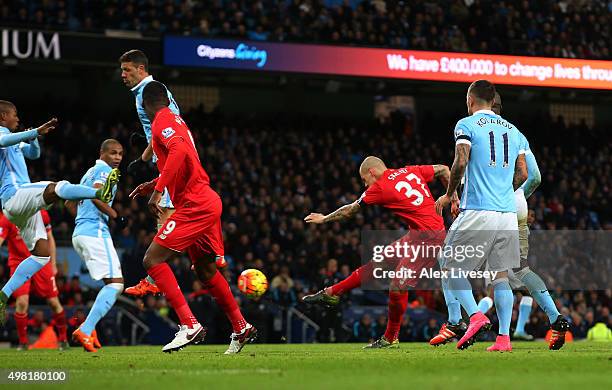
(239, 340)
(184, 337)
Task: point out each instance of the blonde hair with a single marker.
(371, 162)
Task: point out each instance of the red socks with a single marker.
(59, 320)
(21, 319)
(354, 280)
(166, 281)
(398, 302)
(220, 290)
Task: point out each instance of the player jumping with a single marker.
(491, 153)
(404, 191)
(135, 74)
(92, 241)
(195, 226)
(42, 283)
(22, 200)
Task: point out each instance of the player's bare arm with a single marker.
(154, 203)
(47, 126)
(143, 189)
(344, 212)
(104, 207)
(462, 155)
(147, 154)
(442, 173)
(520, 172)
(71, 206)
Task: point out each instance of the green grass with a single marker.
(578, 365)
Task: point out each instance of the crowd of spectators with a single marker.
(568, 28)
(271, 172)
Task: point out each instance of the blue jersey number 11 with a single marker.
(492, 163)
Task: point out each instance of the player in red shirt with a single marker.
(404, 191)
(195, 226)
(41, 284)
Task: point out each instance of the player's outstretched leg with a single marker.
(67, 191)
(330, 296)
(398, 302)
(24, 271)
(462, 290)
(455, 327)
(243, 332)
(190, 330)
(503, 306)
(523, 318)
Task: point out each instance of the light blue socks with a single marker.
(503, 304)
(69, 191)
(540, 293)
(24, 271)
(104, 301)
(462, 290)
(524, 312)
(452, 304)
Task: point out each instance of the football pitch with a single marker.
(324, 366)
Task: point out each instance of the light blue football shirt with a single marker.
(13, 168)
(90, 221)
(495, 145)
(142, 115)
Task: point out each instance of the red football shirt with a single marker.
(404, 191)
(177, 160)
(18, 251)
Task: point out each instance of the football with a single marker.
(252, 283)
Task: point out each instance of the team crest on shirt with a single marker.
(168, 132)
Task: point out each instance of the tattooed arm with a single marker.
(462, 155)
(442, 173)
(344, 212)
(520, 172)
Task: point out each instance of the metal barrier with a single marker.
(306, 324)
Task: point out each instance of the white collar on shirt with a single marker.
(485, 112)
(101, 162)
(145, 80)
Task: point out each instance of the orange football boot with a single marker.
(86, 341)
(96, 342)
(144, 287)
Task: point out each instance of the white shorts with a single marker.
(479, 236)
(23, 209)
(165, 200)
(99, 255)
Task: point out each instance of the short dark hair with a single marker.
(135, 56)
(6, 106)
(155, 93)
(107, 144)
(483, 90)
